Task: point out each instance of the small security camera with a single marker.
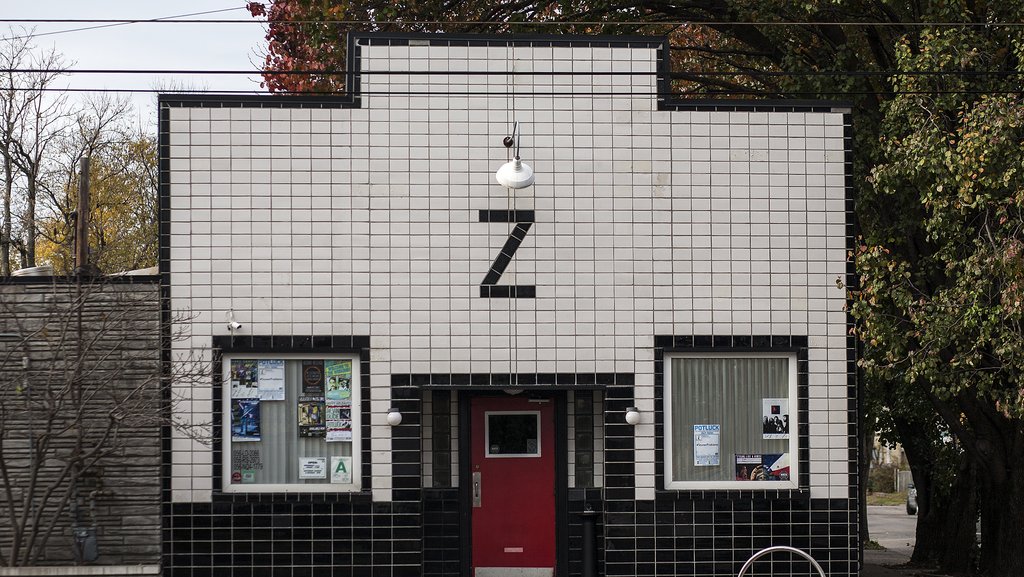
(234, 325)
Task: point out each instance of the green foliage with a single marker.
(123, 212)
(943, 286)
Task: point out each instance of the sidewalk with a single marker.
(890, 563)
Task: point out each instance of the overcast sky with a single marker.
(146, 45)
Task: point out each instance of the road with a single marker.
(892, 528)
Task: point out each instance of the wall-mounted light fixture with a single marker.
(394, 417)
(632, 415)
(514, 173)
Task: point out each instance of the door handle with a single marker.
(476, 489)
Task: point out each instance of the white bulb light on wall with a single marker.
(394, 417)
(632, 415)
(515, 173)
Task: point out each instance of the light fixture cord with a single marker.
(515, 136)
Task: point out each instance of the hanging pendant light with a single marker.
(515, 173)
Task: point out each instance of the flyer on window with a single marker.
(339, 421)
(245, 420)
(244, 379)
(312, 467)
(776, 467)
(311, 416)
(775, 418)
(339, 379)
(271, 380)
(341, 470)
(706, 445)
(748, 467)
(313, 377)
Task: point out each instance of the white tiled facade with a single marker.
(364, 220)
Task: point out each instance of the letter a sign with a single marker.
(341, 470)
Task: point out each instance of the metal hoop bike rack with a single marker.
(777, 548)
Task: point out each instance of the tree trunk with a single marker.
(1002, 540)
(30, 224)
(947, 509)
(946, 503)
(5, 227)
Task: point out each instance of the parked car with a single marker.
(911, 499)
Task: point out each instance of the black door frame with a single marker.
(559, 397)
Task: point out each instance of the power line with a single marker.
(571, 73)
(674, 96)
(101, 23)
(184, 20)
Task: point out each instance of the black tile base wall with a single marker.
(441, 532)
(317, 537)
(714, 537)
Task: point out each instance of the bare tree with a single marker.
(14, 52)
(83, 389)
(32, 118)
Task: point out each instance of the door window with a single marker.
(513, 434)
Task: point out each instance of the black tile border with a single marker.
(665, 98)
(527, 381)
(291, 344)
(733, 344)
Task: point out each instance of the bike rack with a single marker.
(777, 548)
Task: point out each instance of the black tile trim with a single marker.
(290, 344)
(733, 343)
(667, 100)
(528, 381)
(508, 216)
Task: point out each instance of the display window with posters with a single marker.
(730, 421)
(290, 423)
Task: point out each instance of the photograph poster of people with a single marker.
(768, 466)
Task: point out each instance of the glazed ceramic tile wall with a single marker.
(366, 221)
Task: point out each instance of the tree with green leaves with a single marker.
(930, 83)
(942, 297)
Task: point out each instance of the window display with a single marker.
(290, 423)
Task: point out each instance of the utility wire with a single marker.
(103, 23)
(674, 96)
(710, 73)
(182, 20)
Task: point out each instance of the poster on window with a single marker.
(341, 470)
(245, 463)
(775, 418)
(706, 452)
(776, 467)
(339, 380)
(311, 416)
(245, 420)
(313, 378)
(339, 421)
(748, 467)
(271, 380)
(244, 379)
(313, 467)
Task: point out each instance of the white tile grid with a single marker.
(723, 229)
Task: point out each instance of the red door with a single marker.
(513, 486)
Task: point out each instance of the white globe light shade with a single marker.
(515, 174)
(632, 415)
(394, 417)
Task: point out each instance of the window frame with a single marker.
(225, 433)
(487, 435)
(732, 484)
